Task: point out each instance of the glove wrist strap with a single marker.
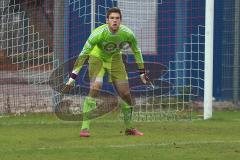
(73, 75)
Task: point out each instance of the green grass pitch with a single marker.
(43, 136)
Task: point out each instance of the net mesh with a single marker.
(170, 35)
(26, 58)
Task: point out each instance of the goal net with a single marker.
(26, 56)
(171, 35)
(174, 37)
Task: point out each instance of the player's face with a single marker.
(114, 22)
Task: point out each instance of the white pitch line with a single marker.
(129, 145)
(172, 143)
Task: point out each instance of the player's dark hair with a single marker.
(114, 10)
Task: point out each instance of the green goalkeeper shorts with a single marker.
(114, 67)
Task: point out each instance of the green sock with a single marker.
(127, 114)
(89, 104)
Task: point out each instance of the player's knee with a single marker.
(125, 95)
(94, 89)
(96, 85)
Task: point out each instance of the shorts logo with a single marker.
(111, 47)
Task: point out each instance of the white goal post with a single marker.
(208, 76)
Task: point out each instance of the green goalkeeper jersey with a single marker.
(102, 43)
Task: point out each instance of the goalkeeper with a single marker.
(103, 48)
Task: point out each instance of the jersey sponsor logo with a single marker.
(124, 45)
(111, 47)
